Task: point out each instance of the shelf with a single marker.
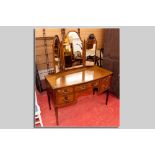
(45, 63)
(44, 54)
(44, 38)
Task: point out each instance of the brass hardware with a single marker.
(66, 98)
(84, 87)
(94, 84)
(65, 91)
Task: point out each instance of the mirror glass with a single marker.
(57, 53)
(90, 50)
(73, 55)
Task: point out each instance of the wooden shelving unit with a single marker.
(44, 59)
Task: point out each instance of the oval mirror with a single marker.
(73, 55)
(91, 50)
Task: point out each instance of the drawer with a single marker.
(64, 91)
(105, 83)
(94, 83)
(64, 99)
(82, 87)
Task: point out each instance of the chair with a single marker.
(98, 60)
(38, 119)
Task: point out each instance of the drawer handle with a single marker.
(83, 87)
(66, 98)
(94, 84)
(65, 91)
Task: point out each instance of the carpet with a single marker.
(89, 111)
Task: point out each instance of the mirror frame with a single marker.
(95, 42)
(56, 37)
(83, 51)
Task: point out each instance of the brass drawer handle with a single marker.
(65, 91)
(83, 87)
(66, 98)
(94, 84)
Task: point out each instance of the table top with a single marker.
(76, 76)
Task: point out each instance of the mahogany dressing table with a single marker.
(79, 77)
(64, 88)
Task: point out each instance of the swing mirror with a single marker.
(91, 50)
(57, 53)
(73, 50)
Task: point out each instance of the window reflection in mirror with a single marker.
(72, 50)
(90, 50)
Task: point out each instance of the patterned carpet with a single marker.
(89, 111)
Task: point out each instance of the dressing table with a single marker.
(72, 81)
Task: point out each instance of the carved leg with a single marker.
(107, 96)
(56, 115)
(49, 101)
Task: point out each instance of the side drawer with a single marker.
(64, 91)
(64, 99)
(105, 83)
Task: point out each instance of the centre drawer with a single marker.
(82, 87)
(94, 83)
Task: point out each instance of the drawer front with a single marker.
(64, 91)
(94, 84)
(82, 87)
(105, 83)
(64, 99)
